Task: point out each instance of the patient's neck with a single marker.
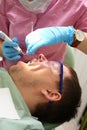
(28, 96)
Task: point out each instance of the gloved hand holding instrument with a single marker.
(10, 48)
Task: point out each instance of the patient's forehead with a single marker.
(66, 71)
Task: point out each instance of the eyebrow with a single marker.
(61, 77)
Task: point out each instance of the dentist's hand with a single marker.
(48, 36)
(8, 50)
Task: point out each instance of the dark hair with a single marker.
(66, 108)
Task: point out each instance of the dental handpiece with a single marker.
(5, 37)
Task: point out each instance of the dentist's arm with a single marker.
(53, 35)
(83, 45)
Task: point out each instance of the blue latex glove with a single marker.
(48, 36)
(8, 50)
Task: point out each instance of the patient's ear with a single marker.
(51, 95)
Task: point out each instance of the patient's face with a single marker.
(38, 71)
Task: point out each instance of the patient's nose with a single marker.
(42, 58)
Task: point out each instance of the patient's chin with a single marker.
(14, 69)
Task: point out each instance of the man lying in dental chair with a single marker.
(41, 90)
